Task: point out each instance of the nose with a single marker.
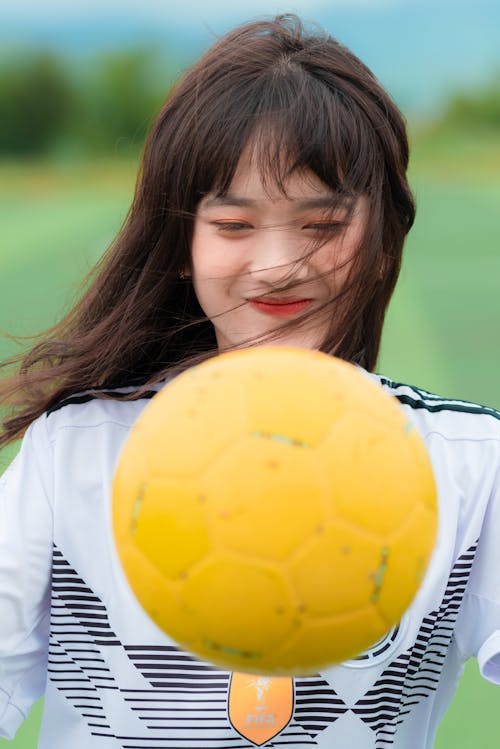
(279, 257)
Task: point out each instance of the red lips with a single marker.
(280, 308)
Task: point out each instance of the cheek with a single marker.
(211, 259)
(333, 260)
(215, 272)
(200, 252)
(346, 250)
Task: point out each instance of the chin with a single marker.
(298, 341)
(307, 339)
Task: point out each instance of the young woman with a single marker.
(272, 206)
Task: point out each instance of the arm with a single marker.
(478, 626)
(25, 569)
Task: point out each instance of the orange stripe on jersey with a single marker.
(260, 707)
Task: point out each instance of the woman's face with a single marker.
(260, 258)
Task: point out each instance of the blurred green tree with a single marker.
(50, 105)
(119, 96)
(478, 109)
(36, 100)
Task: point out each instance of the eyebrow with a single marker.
(322, 201)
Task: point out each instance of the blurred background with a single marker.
(80, 83)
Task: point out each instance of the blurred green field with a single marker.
(441, 332)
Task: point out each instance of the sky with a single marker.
(420, 49)
(24, 15)
(168, 9)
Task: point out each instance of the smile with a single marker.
(280, 309)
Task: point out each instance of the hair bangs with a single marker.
(288, 120)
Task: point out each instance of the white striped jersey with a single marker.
(71, 629)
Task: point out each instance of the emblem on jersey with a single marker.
(260, 707)
(382, 649)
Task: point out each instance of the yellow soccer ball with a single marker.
(274, 510)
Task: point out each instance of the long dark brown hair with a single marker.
(311, 104)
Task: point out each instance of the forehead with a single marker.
(299, 183)
(253, 182)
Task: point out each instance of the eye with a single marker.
(232, 227)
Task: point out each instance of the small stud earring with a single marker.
(183, 275)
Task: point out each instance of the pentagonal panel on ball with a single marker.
(240, 607)
(410, 554)
(168, 526)
(373, 477)
(263, 497)
(338, 571)
(295, 400)
(189, 424)
(156, 594)
(320, 643)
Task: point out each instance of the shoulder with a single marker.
(451, 418)
(80, 440)
(99, 408)
(462, 439)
